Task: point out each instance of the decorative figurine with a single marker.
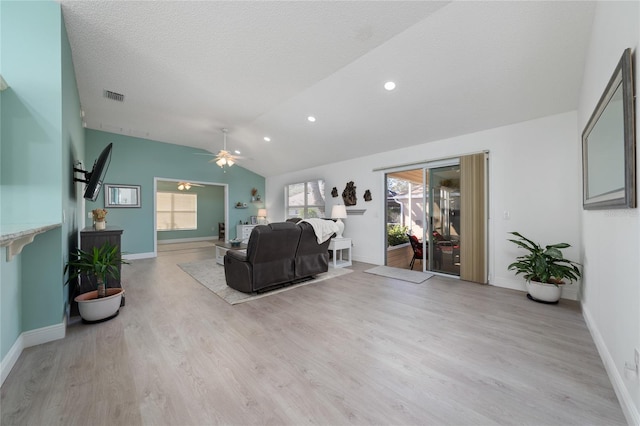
(367, 195)
(349, 194)
(334, 192)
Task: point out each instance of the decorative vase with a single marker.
(100, 225)
(541, 292)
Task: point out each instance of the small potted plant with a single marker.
(545, 269)
(97, 265)
(254, 193)
(99, 216)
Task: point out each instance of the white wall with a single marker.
(534, 174)
(611, 294)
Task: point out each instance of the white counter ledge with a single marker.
(17, 235)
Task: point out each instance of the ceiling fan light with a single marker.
(221, 162)
(181, 187)
(230, 162)
(187, 186)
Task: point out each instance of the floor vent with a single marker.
(114, 96)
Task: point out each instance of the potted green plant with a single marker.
(97, 265)
(544, 269)
(397, 234)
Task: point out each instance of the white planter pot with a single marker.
(544, 292)
(93, 308)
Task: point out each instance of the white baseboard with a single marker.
(365, 260)
(626, 401)
(10, 359)
(136, 256)
(569, 291)
(44, 334)
(28, 339)
(188, 240)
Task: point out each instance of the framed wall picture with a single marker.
(118, 196)
(608, 145)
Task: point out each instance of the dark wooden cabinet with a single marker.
(90, 238)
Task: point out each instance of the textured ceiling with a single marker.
(188, 69)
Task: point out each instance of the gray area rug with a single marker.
(211, 275)
(415, 277)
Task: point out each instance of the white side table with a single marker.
(340, 246)
(223, 248)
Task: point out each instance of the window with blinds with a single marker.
(176, 211)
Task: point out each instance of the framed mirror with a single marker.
(116, 195)
(608, 145)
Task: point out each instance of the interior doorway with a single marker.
(187, 211)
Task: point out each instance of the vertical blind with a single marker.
(473, 247)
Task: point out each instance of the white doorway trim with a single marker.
(155, 191)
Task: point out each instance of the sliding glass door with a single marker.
(425, 205)
(444, 218)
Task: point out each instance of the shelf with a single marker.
(241, 207)
(14, 237)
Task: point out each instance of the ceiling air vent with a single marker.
(114, 96)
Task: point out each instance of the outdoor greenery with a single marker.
(399, 186)
(397, 234)
(544, 265)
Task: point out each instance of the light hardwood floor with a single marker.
(360, 349)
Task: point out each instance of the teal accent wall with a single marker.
(31, 175)
(41, 134)
(42, 282)
(210, 210)
(10, 302)
(72, 151)
(136, 161)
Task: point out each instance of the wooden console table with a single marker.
(90, 238)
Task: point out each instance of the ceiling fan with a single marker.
(224, 157)
(185, 186)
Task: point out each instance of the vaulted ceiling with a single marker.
(188, 69)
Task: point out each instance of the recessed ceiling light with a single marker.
(311, 118)
(237, 152)
(389, 85)
(267, 139)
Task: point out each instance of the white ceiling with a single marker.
(188, 69)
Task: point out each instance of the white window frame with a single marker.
(306, 206)
(172, 211)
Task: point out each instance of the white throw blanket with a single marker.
(324, 229)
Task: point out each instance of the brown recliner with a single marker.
(269, 260)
